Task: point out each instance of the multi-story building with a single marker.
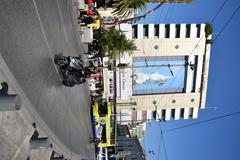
(128, 147)
(105, 9)
(167, 72)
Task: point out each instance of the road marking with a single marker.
(64, 29)
(20, 148)
(44, 35)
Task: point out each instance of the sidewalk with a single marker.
(16, 126)
(15, 130)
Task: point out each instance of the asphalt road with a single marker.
(31, 32)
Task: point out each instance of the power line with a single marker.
(219, 10)
(163, 142)
(226, 24)
(201, 122)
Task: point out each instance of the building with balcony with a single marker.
(167, 73)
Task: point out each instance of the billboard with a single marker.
(156, 75)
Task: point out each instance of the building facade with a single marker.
(128, 147)
(167, 73)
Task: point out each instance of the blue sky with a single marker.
(216, 140)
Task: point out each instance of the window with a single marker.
(177, 33)
(156, 30)
(102, 109)
(173, 113)
(198, 30)
(182, 112)
(145, 31)
(188, 30)
(191, 112)
(134, 31)
(167, 31)
(163, 114)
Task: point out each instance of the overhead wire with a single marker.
(211, 119)
(153, 41)
(163, 142)
(223, 28)
(201, 122)
(180, 69)
(178, 72)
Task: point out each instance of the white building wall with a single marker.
(151, 31)
(202, 30)
(186, 113)
(139, 115)
(168, 114)
(172, 30)
(159, 113)
(149, 114)
(126, 116)
(139, 31)
(190, 74)
(199, 74)
(126, 29)
(187, 46)
(182, 30)
(177, 114)
(161, 30)
(193, 32)
(195, 112)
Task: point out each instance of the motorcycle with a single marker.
(73, 70)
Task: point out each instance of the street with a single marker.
(32, 32)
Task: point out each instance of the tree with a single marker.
(115, 44)
(125, 8)
(208, 29)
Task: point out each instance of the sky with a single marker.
(214, 140)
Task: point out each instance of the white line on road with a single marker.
(44, 34)
(20, 148)
(64, 29)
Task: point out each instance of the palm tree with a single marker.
(125, 8)
(115, 44)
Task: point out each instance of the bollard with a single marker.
(10, 102)
(58, 157)
(40, 143)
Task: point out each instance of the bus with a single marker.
(104, 124)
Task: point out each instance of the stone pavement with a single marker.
(16, 127)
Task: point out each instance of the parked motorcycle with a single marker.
(73, 70)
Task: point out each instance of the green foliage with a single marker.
(124, 8)
(208, 29)
(209, 41)
(114, 43)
